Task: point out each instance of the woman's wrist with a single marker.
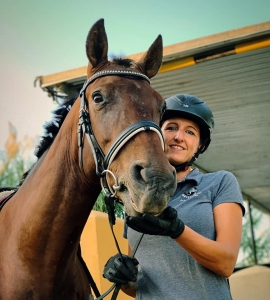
(130, 288)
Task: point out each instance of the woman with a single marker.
(190, 250)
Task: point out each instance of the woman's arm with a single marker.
(218, 256)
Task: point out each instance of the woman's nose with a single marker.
(178, 136)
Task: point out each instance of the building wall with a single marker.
(251, 283)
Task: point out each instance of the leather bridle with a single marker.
(103, 161)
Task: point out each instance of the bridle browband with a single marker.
(103, 161)
(114, 72)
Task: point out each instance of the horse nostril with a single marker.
(138, 172)
(151, 177)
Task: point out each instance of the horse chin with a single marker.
(134, 210)
(131, 209)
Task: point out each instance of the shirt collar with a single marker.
(194, 175)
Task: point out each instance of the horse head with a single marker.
(119, 99)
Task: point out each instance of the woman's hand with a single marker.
(166, 224)
(121, 271)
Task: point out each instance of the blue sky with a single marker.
(45, 37)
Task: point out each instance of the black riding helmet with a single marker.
(192, 108)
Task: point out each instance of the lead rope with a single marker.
(109, 201)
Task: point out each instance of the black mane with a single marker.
(51, 128)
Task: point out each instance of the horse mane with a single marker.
(52, 128)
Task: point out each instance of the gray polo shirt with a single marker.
(166, 271)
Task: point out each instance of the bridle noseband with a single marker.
(103, 161)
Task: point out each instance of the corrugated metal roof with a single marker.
(235, 86)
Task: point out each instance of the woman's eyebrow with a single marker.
(192, 127)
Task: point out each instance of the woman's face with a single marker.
(182, 139)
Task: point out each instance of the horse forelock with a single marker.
(123, 62)
(52, 127)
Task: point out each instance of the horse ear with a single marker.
(152, 59)
(97, 44)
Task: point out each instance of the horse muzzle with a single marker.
(148, 188)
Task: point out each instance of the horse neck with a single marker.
(55, 195)
(60, 164)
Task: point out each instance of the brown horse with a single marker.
(42, 223)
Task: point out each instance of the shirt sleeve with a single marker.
(228, 191)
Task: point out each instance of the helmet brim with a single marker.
(171, 114)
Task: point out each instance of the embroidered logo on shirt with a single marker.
(192, 192)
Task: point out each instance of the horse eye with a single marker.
(97, 97)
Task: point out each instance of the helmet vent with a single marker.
(195, 100)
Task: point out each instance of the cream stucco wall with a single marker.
(252, 283)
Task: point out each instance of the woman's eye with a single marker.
(171, 128)
(190, 132)
(97, 98)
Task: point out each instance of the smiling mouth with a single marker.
(177, 147)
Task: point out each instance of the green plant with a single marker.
(101, 206)
(12, 171)
(262, 240)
